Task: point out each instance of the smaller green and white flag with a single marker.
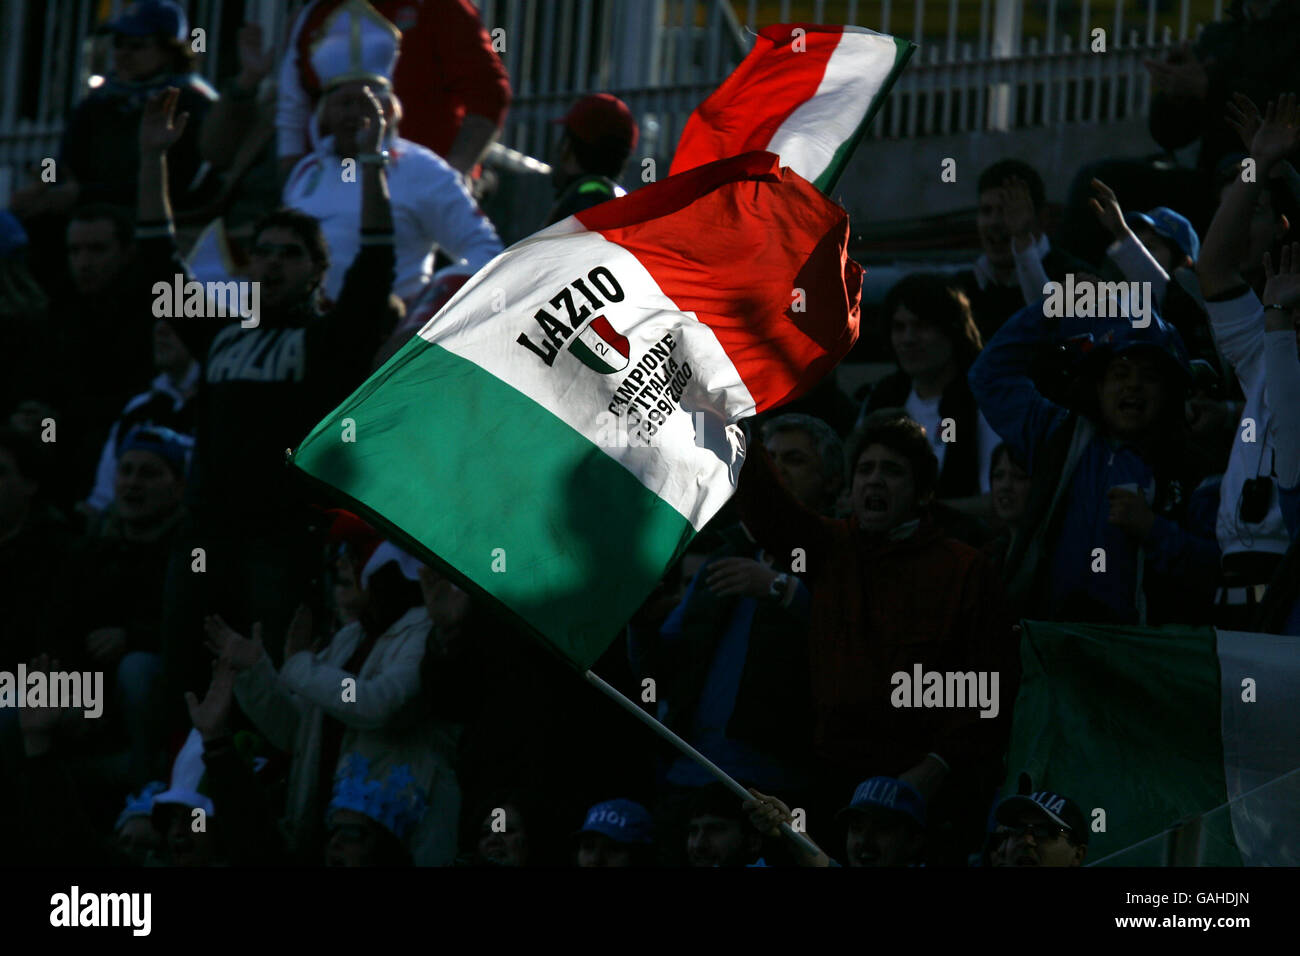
(1147, 727)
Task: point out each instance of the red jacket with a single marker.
(447, 67)
(883, 607)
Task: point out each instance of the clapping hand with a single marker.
(211, 716)
(234, 648)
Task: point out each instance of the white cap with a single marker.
(387, 551)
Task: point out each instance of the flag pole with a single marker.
(613, 694)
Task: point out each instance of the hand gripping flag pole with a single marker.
(613, 694)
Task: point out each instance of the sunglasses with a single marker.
(1041, 832)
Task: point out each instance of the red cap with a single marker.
(601, 117)
(347, 528)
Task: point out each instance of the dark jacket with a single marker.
(112, 582)
(102, 357)
(880, 607)
(100, 143)
(31, 576)
(264, 388)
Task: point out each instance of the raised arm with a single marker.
(363, 299)
(159, 258)
(1025, 228)
(1219, 265)
(1005, 392)
(475, 76)
(1281, 365)
(232, 118)
(1127, 251)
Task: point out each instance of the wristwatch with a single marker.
(779, 583)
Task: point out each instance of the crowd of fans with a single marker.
(286, 686)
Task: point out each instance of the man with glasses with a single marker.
(263, 386)
(1040, 829)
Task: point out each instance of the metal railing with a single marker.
(982, 64)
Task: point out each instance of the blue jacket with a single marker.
(1053, 568)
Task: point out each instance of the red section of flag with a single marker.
(759, 255)
(774, 80)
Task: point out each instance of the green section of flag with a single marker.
(462, 468)
(1125, 720)
(903, 50)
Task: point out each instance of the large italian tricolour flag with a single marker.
(1164, 726)
(806, 92)
(558, 432)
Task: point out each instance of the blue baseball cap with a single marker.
(172, 447)
(1160, 338)
(623, 821)
(1171, 225)
(885, 794)
(146, 18)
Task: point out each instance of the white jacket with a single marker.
(386, 723)
(432, 209)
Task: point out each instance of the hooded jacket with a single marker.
(1068, 562)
